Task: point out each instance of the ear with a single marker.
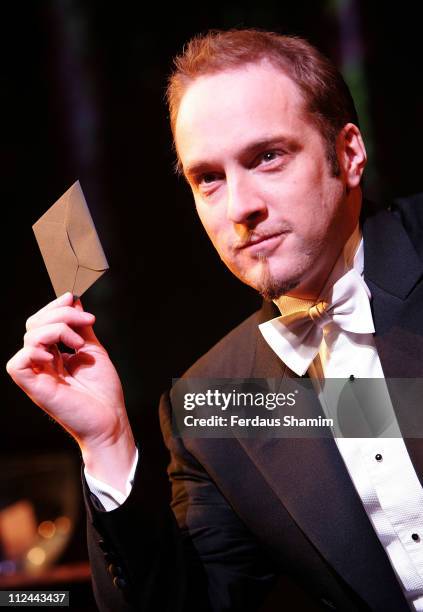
(352, 154)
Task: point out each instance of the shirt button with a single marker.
(415, 537)
(378, 457)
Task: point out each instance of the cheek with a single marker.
(212, 222)
(204, 217)
(315, 207)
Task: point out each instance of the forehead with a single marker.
(223, 112)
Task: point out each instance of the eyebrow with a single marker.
(250, 149)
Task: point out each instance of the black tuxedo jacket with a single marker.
(267, 524)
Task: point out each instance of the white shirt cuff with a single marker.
(110, 497)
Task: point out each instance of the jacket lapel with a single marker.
(392, 270)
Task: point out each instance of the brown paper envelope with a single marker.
(69, 244)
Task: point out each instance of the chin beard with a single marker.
(271, 288)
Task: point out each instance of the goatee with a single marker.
(271, 288)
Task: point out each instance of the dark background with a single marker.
(83, 98)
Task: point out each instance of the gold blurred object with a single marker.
(18, 528)
(46, 529)
(36, 555)
(36, 530)
(63, 524)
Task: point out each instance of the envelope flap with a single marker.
(81, 231)
(57, 253)
(85, 277)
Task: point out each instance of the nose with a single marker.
(246, 205)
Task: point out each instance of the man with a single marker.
(267, 136)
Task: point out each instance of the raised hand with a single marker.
(81, 390)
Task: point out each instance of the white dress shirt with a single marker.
(110, 497)
(380, 468)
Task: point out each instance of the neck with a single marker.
(342, 229)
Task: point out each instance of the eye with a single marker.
(207, 182)
(270, 160)
(207, 178)
(269, 156)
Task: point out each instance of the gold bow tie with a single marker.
(317, 313)
(295, 309)
(297, 334)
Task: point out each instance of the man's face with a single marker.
(261, 180)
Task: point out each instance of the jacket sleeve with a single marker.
(196, 555)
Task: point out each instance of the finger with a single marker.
(77, 304)
(63, 314)
(27, 357)
(62, 300)
(57, 362)
(52, 334)
(86, 332)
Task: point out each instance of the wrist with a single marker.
(111, 461)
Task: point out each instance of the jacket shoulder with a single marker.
(410, 212)
(233, 355)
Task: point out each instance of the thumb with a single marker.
(86, 332)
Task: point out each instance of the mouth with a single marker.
(262, 243)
